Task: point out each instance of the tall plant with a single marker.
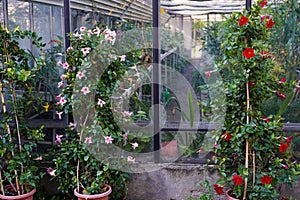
(252, 154)
(18, 166)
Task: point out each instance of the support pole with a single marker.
(248, 4)
(67, 21)
(5, 12)
(156, 77)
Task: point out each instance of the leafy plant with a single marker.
(252, 155)
(19, 162)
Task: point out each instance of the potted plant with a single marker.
(19, 172)
(252, 153)
(89, 75)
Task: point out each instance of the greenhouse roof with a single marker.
(196, 9)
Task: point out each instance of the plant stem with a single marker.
(78, 161)
(10, 137)
(1, 184)
(18, 129)
(247, 141)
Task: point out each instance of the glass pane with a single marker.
(1, 12)
(18, 15)
(41, 18)
(57, 22)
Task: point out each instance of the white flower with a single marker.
(79, 75)
(122, 58)
(134, 145)
(100, 103)
(85, 50)
(130, 159)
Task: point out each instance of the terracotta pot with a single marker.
(102, 196)
(27, 196)
(228, 193)
(169, 149)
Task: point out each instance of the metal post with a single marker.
(248, 4)
(5, 13)
(67, 21)
(156, 77)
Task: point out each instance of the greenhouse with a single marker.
(150, 99)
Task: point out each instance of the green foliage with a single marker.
(251, 147)
(18, 142)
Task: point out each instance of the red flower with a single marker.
(238, 180)
(284, 198)
(262, 4)
(281, 95)
(289, 139)
(266, 119)
(283, 147)
(270, 23)
(226, 136)
(207, 74)
(251, 84)
(283, 80)
(249, 53)
(264, 17)
(266, 179)
(219, 189)
(243, 21)
(298, 86)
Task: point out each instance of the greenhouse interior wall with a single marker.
(172, 181)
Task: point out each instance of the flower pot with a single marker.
(102, 196)
(228, 195)
(169, 149)
(27, 196)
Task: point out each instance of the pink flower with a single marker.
(58, 97)
(82, 29)
(65, 65)
(50, 171)
(281, 81)
(130, 159)
(79, 75)
(58, 138)
(85, 50)
(60, 84)
(125, 135)
(122, 58)
(85, 90)
(108, 139)
(39, 158)
(88, 140)
(266, 119)
(62, 101)
(284, 166)
(59, 114)
(134, 145)
(207, 74)
(59, 63)
(100, 103)
(127, 113)
(63, 77)
(201, 151)
(72, 125)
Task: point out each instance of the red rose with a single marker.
(266, 179)
(270, 23)
(249, 53)
(243, 21)
(283, 147)
(238, 180)
(219, 189)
